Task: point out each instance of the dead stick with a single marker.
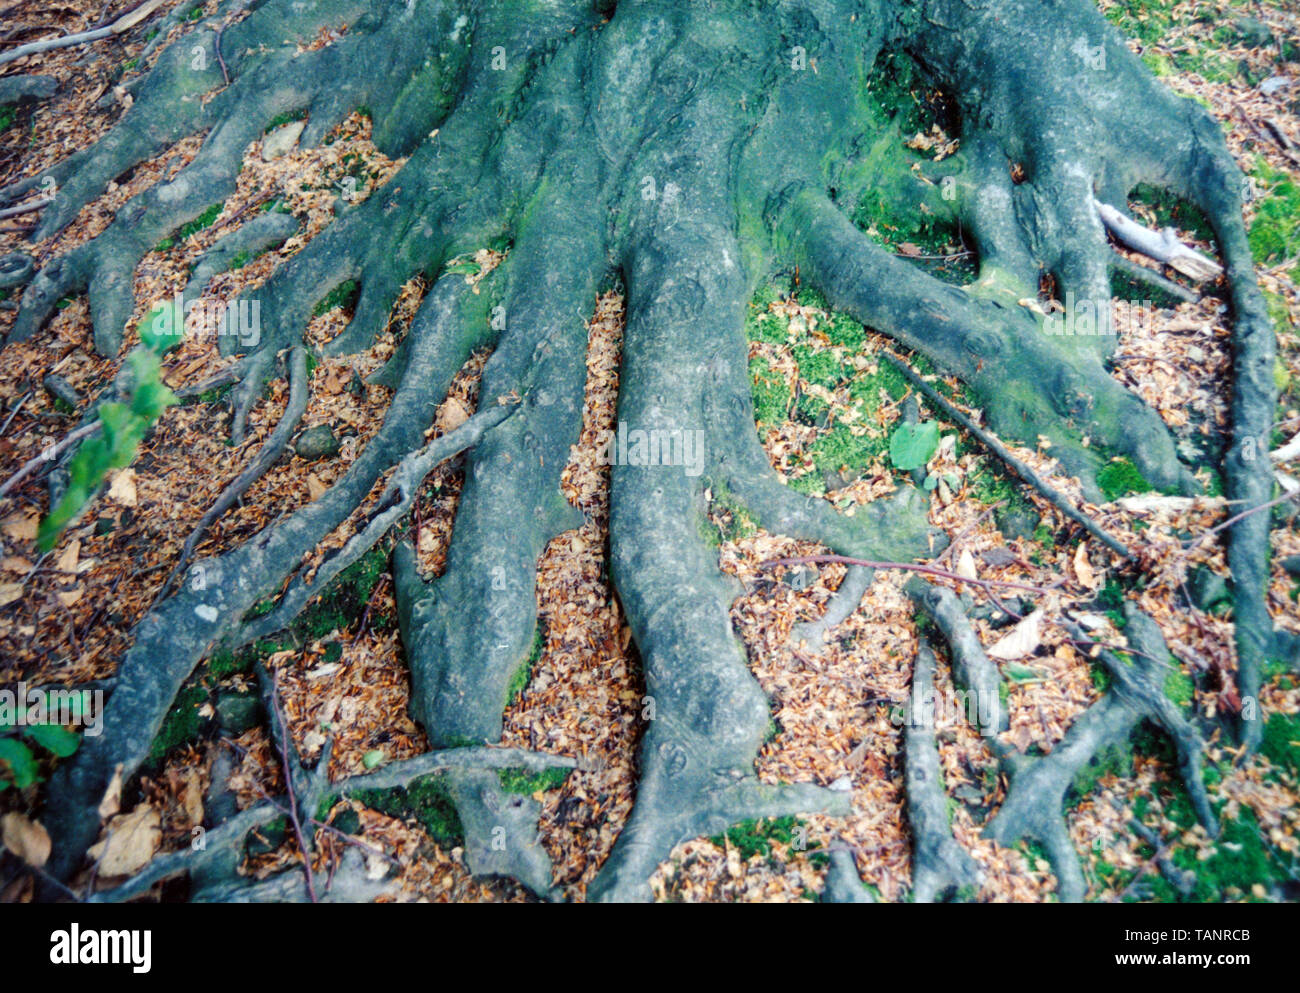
(48, 455)
(926, 570)
(1000, 450)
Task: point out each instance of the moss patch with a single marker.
(523, 782)
(425, 800)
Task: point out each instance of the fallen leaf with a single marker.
(22, 527)
(68, 560)
(16, 564)
(192, 797)
(966, 565)
(112, 800)
(130, 842)
(1083, 568)
(71, 597)
(452, 415)
(122, 489)
(26, 838)
(315, 487)
(1021, 640)
(9, 592)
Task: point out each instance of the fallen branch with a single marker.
(123, 23)
(25, 208)
(1163, 246)
(1022, 470)
(925, 570)
(48, 455)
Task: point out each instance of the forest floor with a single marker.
(826, 406)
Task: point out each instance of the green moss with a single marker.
(343, 295)
(751, 838)
(426, 801)
(519, 681)
(1120, 477)
(279, 120)
(181, 725)
(1281, 743)
(526, 783)
(772, 397)
(1114, 760)
(8, 113)
(733, 519)
(839, 450)
(1241, 860)
(1275, 231)
(1179, 687)
(200, 223)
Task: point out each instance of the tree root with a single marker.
(266, 457)
(214, 867)
(939, 865)
(170, 640)
(1033, 805)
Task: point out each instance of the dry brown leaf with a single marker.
(68, 560)
(122, 489)
(1021, 640)
(315, 487)
(452, 415)
(192, 796)
(22, 527)
(966, 565)
(26, 838)
(112, 800)
(1083, 568)
(70, 597)
(9, 592)
(129, 843)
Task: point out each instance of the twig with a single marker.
(925, 570)
(26, 208)
(216, 44)
(1163, 246)
(1000, 450)
(278, 717)
(48, 456)
(14, 413)
(1193, 542)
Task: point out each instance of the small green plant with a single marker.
(18, 761)
(912, 445)
(124, 426)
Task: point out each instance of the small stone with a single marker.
(1208, 589)
(61, 389)
(317, 443)
(1015, 522)
(237, 712)
(1292, 564)
(1252, 31)
(281, 141)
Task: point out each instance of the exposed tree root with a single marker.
(266, 457)
(1033, 805)
(667, 143)
(939, 865)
